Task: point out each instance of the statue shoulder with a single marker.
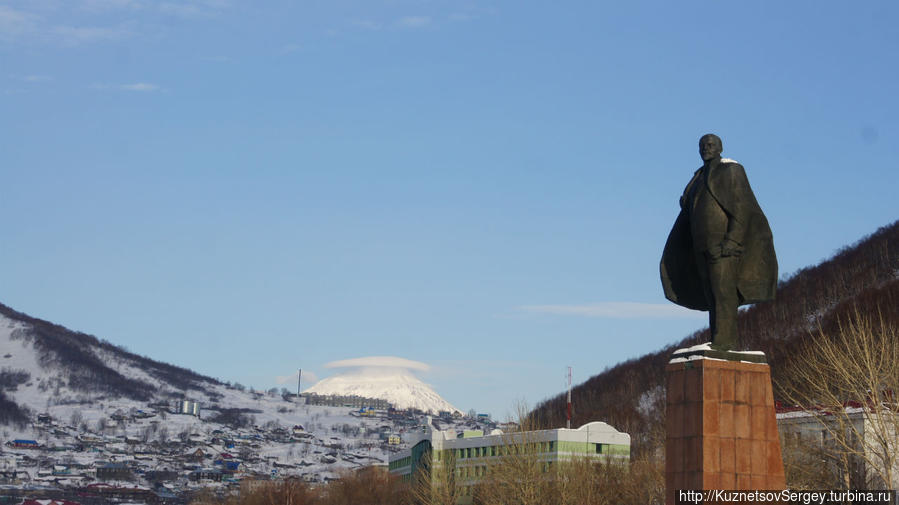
(732, 168)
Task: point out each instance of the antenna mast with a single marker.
(299, 381)
(568, 413)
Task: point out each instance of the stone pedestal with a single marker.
(721, 428)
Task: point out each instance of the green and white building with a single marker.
(470, 453)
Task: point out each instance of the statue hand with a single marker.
(731, 248)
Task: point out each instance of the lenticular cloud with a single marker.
(378, 362)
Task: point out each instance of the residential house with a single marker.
(205, 474)
(114, 471)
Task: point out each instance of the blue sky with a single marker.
(247, 188)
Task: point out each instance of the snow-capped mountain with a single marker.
(396, 385)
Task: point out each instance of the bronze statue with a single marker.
(720, 253)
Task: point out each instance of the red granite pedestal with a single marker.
(721, 428)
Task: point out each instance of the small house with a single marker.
(60, 470)
(196, 455)
(205, 474)
(113, 471)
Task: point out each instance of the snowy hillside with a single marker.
(398, 386)
(73, 406)
(61, 363)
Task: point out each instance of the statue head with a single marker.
(710, 147)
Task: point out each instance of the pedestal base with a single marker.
(721, 428)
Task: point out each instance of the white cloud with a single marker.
(8, 16)
(380, 361)
(219, 59)
(181, 10)
(292, 379)
(617, 310)
(414, 21)
(366, 23)
(192, 8)
(140, 86)
(73, 22)
(14, 23)
(36, 78)
(82, 34)
(107, 5)
(291, 48)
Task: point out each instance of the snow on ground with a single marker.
(19, 354)
(83, 429)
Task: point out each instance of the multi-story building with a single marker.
(858, 445)
(467, 456)
(188, 407)
(346, 401)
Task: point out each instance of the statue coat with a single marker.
(757, 272)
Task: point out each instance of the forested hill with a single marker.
(630, 395)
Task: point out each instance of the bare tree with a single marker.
(846, 382)
(77, 418)
(434, 483)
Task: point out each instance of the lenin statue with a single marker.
(720, 253)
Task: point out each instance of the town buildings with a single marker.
(467, 456)
(854, 444)
(346, 401)
(128, 448)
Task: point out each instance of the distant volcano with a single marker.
(396, 385)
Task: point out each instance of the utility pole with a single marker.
(568, 413)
